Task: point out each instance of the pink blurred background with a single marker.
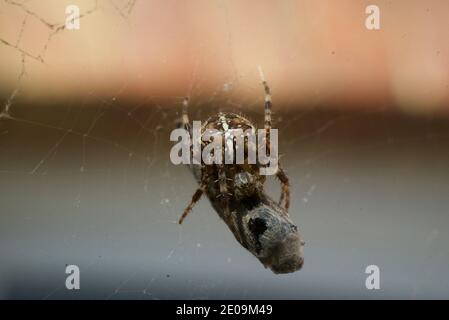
(311, 51)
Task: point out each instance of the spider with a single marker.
(236, 191)
(234, 182)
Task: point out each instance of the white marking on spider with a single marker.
(224, 123)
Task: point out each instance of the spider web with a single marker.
(89, 182)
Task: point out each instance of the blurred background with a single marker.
(85, 118)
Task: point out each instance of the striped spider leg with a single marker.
(280, 174)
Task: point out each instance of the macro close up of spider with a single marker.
(236, 191)
(175, 151)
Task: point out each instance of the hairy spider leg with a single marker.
(199, 192)
(285, 185)
(280, 174)
(267, 111)
(185, 114)
(223, 187)
(195, 198)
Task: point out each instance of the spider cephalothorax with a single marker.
(236, 192)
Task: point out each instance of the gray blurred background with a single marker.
(367, 188)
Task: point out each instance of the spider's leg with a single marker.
(185, 114)
(224, 195)
(285, 185)
(195, 198)
(184, 123)
(268, 107)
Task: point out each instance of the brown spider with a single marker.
(236, 192)
(248, 182)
